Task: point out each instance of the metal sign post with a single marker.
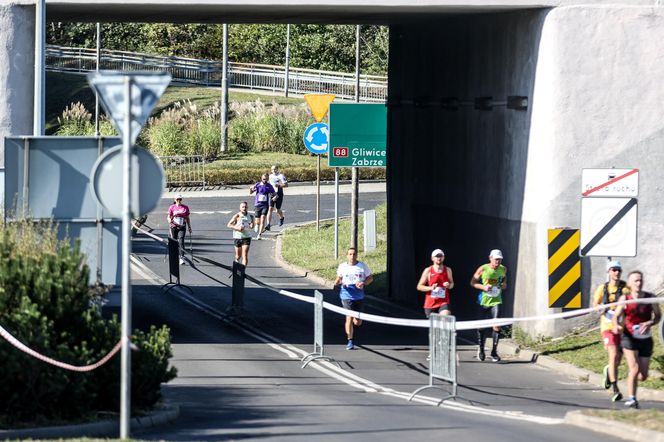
(317, 136)
(128, 99)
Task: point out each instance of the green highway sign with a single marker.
(358, 135)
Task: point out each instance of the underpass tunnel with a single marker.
(460, 100)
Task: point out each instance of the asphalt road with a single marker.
(240, 377)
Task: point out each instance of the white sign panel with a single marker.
(146, 88)
(608, 227)
(610, 182)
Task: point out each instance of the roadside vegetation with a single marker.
(46, 303)
(314, 250)
(651, 419)
(262, 130)
(584, 349)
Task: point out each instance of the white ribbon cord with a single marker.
(24, 348)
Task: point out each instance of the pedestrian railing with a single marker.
(442, 354)
(209, 72)
(184, 171)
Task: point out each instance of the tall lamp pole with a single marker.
(40, 46)
(224, 92)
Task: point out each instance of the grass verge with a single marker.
(314, 249)
(585, 350)
(648, 419)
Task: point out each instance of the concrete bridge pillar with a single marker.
(17, 39)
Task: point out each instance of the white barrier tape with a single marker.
(297, 296)
(466, 325)
(485, 323)
(150, 234)
(18, 344)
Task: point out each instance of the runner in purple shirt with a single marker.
(264, 191)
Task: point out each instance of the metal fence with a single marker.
(184, 171)
(442, 356)
(208, 72)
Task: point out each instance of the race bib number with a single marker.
(178, 220)
(354, 278)
(636, 332)
(439, 293)
(493, 292)
(262, 197)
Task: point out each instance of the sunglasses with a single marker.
(438, 256)
(615, 270)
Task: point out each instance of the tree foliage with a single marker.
(327, 47)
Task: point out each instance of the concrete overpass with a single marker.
(466, 178)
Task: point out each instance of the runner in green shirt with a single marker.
(491, 280)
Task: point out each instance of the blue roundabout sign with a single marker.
(317, 138)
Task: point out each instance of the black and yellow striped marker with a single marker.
(564, 268)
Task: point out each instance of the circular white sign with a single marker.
(147, 179)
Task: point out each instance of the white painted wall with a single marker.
(598, 102)
(16, 69)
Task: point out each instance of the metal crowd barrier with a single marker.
(183, 171)
(319, 348)
(442, 354)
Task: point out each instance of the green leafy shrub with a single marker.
(45, 302)
(217, 177)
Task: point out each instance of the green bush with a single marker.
(45, 302)
(77, 121)
(218, 177)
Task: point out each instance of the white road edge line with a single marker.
(332, 370)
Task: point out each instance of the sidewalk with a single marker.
(306, 188)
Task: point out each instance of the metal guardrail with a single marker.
(318, 352)
(182, 171)
(208, 72)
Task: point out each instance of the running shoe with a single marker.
(495, 357)
(350, 345)
(268, 227)
(281, 222)
(632, 403)
(480, 354)
(617, 396)
(258, 237)
(181, 261)
(607, 382)
(429, 357)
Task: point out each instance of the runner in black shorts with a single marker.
(241, 223)
(279, 182)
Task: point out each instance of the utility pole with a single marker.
(39, 86)
(224, 92)
(287, 68)
(97, 133)
(355, 182)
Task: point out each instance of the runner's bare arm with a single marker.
(476, 283)
(231, 223)
(422, 285)
(617, 314)
(450, 284)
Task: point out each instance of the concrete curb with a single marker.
(612, 427)
(509, 347)
(317, 280)
(108, 428)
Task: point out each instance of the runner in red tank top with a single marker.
(636, 340)
(436, 282)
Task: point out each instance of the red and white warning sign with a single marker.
(609, 183)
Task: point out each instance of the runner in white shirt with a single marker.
(352, 276)
(279, 182)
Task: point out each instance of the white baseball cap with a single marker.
(615, 264)
(437, 252)
(495, 253)
(178, 196)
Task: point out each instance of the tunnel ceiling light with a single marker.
(484, 103)
(517, 102)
